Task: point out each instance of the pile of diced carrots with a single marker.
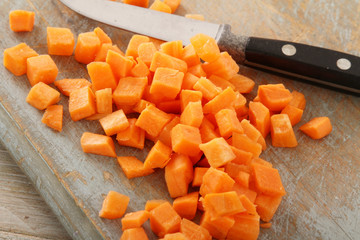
(189, 101)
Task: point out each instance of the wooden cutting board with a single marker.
(321, 177)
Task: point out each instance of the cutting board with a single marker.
(321, 177)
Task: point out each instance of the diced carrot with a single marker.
(197, 70)
(224, 67)
(190, 56)
(104, 101)
(174, 236)
(216, 181)
(185, 140)
(133, 167)
(159, 156)
(129, 90)
(15, 58)
(247, 226)
(146, 52)
(103, 37)
(152, 120)
(42, 96)
(207, 88)
(236, 171)
(189, 81)
(261, 161)
(88, 44)
(134, 233)
(60, 41)
(160, 6)
(192, 114)
(248, 205)
(242, 157)
(139, 3)
(81, 103)
(205, 47)
(141, 105)
(228, 122)
(140, 69)
(132, 136)
(165, 135)
(298, 100)
(53, 117)
(293, 113)
(199, 17)
(172, 48)
(161, 59)
(103, 51)
(193, 231)
(224, 100)
(164, 219)
(173, 4)
(171, 106)
(167, 82)
(120, 65)
(97, 144)
(267, 206)
(101, 76)
(275, 98)
(219, 227)
(41, 69)
(265, 225)
(240, 190)
(199, 172)
(253, 133)
(243, 142)
(114, 122)
(267, 180)
(151, 204)
(220, 82)
(207, 131)
(259, 116)
(21, 20)
(218, 152)
(242, 83)
(317, 127)
(134, 219)
(135, 41)
(66, 86)
(186, 206)
(282, 133)
(114, 205)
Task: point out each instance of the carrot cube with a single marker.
(190, 56)
(317, 128)
(97, 144)
(185, 140)
(130, 90)
(66, 86)
(173, 4)
(228, 122)
(224, 66)
(218, 152)
(242, 83)
(134, 233)
(205, 47)
(81, 103)
(266, 206)
(141, 105)
(220, 82)
(273, 97)
(114, 205)
(120, 65)
(199, 173)
(207, 88)
(15, 58)
(164, 219)
(167, 82)
(242, 157)
(192, 114)
(88, 44)
(103, 37)
(298, 100)
(151, 204)
(21, 20)
(178, 175)
(224, 100)
(135, 41)
(186, 206)
(219, 227)
(208, 132)
(103, 51)
(152, 120)
(216, 181)
(133, 167)
(161, 59)
(134, 219)
(172, 48)
(189, 81)
(146, 52)
(247, 226)
(159, 156)
(41, 69)
(53, 117)
(139, 3)
(132, 136)
(114, 122)
(293, 113)
(187, 96)
(104, 101)
(60, 41)
(259, 116)
(267, 180)
(197, 70)
(101, 76)
(222, 204)
(158, 5)
(193, 231)
(243, 142)
(282, 133)
(42, 96)
(165, 135)
(253, 133)
(140, 69)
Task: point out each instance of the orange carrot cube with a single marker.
(53, 117)
(189, 81)
(165, 135)
(246, 225)
(267, 180)
(146, 51)
(266, 206)
(88, 44)
(130, 90)
(132, 136)
(139, 3)
(190, 56)
(135, 41)
(259, 116)
(216, 181)
(42, 96)
(164, 219)
(293, 113)
(192, 114)
(197, 70)
(134, 219)
(104, 101)
(224, 100)
(159, 156)
(151, 204)
(253, 133)
(186, 206)
(282, 133)
(242, 83)
(166, 82)
(243, 142)
(103, 51)
(185, 140)
(221, 82)
(134, 233)
(224, 66)
(101, 76)
(15, 58)
(160, 6)
(103, 37)
(60, 41)
(41, 69)
(298, 100)
(187, 96)
(21, 20)
(317, 128)
(218, 152)
(81, 103)
(199, 173)
(173, 4)
(207, 88)
(97, 144)
(161, 59)
(193, 231)
(273, 97)
(205, 47)
(114, 122)
(172, 48)
(114, 205)
(222, 204)
(120, 65)
(219, 227)
(140, 69)
(152, 120)
(133, 167)
(66, 86)
(141, 105)
(228, 122)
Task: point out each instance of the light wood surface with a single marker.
(321, 177)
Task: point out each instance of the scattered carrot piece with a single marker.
(97, 144)
(152, 120)
(159, 156)
(293, 113)
(267, 180)
(132, 136)
(246, 225)
(317, 128)
(161, 59)
(42, 96)
(167, 82)
(199, 17)
(242, 83)
(103, 51)
(66, 86)
(151, 204)
(88, 44)
(60, 41)
(129, 90)
(186, 206)
(185, 139)
(120, 65)
(133, 167)
(265, 225)
(267, 206)
(41, 69)
(53, 117)
(224, 66)
(205, 47)
(15, 58)
(216, 181)
(21, 20)
(114, 122)
(259, 116)
(273, 97)
(81, 103)
(298, 100)
(114, 205)
(164, 219)
(282, 133)
(103, 37)
(160, 6)
(193, 231)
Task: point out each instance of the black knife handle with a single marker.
(315, 64)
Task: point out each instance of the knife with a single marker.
(304, 62)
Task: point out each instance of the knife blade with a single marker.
(304, 62)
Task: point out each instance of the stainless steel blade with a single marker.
(164, 26)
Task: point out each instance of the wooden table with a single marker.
(321, 177)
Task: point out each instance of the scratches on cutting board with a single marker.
(75, 175)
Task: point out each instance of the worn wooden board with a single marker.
(321, 177)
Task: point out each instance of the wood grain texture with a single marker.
(321, 177)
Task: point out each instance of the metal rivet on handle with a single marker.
(288, 50)
(343, 64)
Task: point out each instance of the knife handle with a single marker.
(315, 64)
